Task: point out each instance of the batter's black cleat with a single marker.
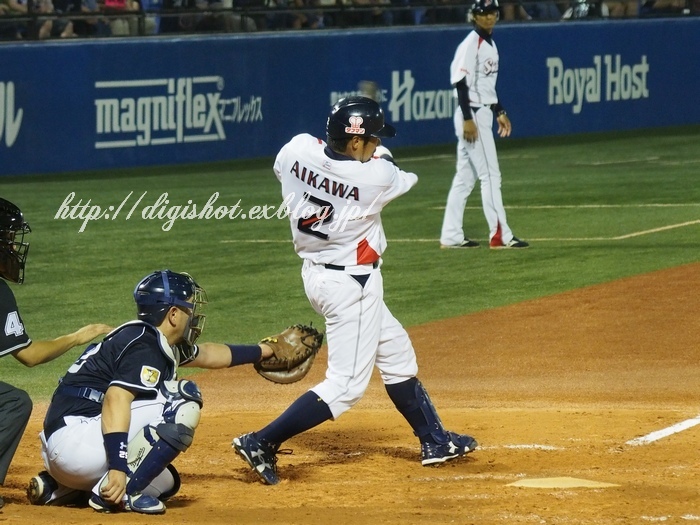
(261, 456)
(467, 243)
(459, 445)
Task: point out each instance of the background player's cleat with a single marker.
(459, 445)
(467, 243)
(514, 243)
(262, 457)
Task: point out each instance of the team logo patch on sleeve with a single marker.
(149, 375)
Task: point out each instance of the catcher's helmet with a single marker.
(13, 249)
(357, 116)
(481, 7)
(156, 293)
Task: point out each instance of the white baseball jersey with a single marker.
(476, 59)
(334, 202)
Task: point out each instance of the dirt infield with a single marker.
(550, 388)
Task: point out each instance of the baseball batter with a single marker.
(15, 404)
(336, 192)
(473, 73)
(119, 416)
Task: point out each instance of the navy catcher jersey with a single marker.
(12, 337)
(134, 356)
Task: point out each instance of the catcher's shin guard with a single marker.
(154, 448)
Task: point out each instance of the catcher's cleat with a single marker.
(459, 445)
(44, 490)
(40, 488)
(467, 243)
(140, 503)
(101, 505)
(144, 504)
(514, 243)
(262, 457)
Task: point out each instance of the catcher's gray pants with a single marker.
(15, 409)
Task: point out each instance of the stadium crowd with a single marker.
(45, 19)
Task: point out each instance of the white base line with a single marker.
(664, 432)
(655, 230)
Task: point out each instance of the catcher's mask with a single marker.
(158, 292)
(361, 116)
(13, 249)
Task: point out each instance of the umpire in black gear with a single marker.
(15, 404)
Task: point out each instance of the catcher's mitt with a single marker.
(294, 353)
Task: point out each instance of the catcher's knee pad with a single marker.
(155, 447)
(183, 402)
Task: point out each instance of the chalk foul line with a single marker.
(665, 432)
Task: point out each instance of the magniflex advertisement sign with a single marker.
(216, 98)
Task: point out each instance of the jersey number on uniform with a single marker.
(13, 326)
(89, 352)
(314, 219)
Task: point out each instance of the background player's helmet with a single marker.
(13, 249)
(481, 7)
(357, 116)
(159, 291)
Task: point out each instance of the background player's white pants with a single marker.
(476, 161)
(361, 332)
(75, 454)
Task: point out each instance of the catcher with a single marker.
(119, 416)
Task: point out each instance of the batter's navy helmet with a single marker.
(357, 116)
(156, 293)
(481, 7)
(13, 249)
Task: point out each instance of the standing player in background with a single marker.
(341, 240)
(473, 73)
(15, 404)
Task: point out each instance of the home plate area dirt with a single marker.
(555, 396)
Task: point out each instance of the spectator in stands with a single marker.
(42, 28)
(12, 29)
(542, 10)
(172, 22)
(81, 26)
(218, 17)
(623, 8)
(307, 15)
(581, 9)
(90, 27)
(446, 12)
(123, 25)
(512, 10)
(663, 7)
(371, 13)
(52, 28)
